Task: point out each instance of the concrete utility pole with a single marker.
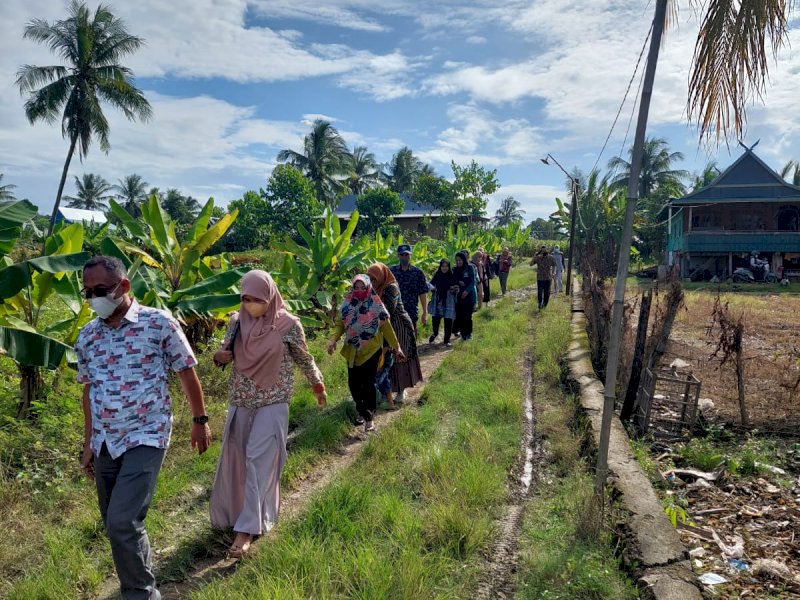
(573, 216)
(612, 364)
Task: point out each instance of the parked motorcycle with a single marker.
(745, 275)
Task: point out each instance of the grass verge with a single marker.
(566, 548)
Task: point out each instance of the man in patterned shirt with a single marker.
(124, 359)
(413, 285)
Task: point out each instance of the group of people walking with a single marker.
(126, 353)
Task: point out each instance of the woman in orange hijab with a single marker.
(264, 342)
(395, 375)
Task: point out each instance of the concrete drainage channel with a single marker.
(662, 564)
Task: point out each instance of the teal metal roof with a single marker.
(749, 179)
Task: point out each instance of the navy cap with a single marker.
(404, 249)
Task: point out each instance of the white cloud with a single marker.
(581, 79)
(327, 13)
(538, 201)
(477, 134)
(309, 118)
(198, 143)
(385, 77)
(202, 39)
(476, 39)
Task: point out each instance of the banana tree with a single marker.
(319, 272)
(173, 274)
(460, 239)
(513, 235)
(13, 215)
(28, 334)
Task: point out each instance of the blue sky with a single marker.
(234, 81)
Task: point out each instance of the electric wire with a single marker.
(625, 97)
(619, 111)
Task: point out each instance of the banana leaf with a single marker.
(207, 304)
(220, 282)
(32, 348)
(18, 276)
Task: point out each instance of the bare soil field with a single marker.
(771, 349)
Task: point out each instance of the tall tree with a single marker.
(182, 209)
(377, 208)
(472, 187)
(325, 161)
(404, 170)
(92, 193)
(658, 182)
(792, 167)
(366, 173)
(5, 190)
(709, 174)
(509, 212)
(657, 169)
(131, 192)
(91, 45)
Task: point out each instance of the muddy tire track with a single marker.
(499, 573)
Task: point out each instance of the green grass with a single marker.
(43, 495)
(410, 518)
(566, 547)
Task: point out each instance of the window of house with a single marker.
(709, 220)
(788, 218)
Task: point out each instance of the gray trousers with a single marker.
(503, 277)
(125, 487)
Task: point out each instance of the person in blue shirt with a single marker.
(413, 285)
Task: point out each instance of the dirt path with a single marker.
(499, 574)
(293, 503)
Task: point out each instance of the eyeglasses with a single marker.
(99, 291)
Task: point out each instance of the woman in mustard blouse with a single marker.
(364, 321)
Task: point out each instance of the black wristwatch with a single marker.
(201, 420)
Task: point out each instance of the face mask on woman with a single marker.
(360, 295)
(255, 309)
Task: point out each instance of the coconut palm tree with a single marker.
(131, 192)
(404, 170)
(182, 209)
(509, 212)
(792, 167)
(5, 190)
(91, 46)
(709, 174)
(325, 161)
(93, 193)
(657, 169)
(366, 173)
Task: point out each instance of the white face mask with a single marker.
(106, 305)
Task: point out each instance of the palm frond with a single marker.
(730, 67)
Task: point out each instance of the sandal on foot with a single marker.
(239, 550)
(369, 426)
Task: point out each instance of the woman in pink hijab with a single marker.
(264, 342)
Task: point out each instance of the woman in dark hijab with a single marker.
(467, 295)
(443, 301)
